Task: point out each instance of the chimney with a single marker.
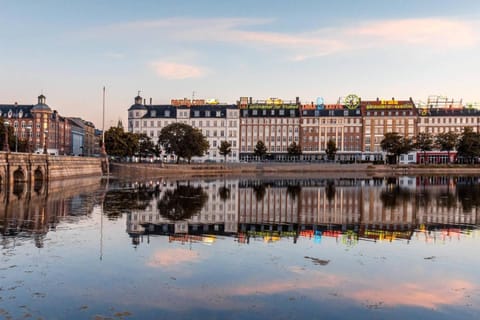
(150, 101)
(144, 101)
(250, 100)
(297, 100)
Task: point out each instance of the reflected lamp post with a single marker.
(29, 137)
(45, 141)
(6, 147)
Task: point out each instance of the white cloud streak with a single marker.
(177, 71)
(442, 33)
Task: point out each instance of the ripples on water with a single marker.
(242, 249)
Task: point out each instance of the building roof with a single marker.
(448, 112)
(12, 110)
(270, 113)
(331, 113)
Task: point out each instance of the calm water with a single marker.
(397, 248)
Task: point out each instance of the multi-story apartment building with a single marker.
(218, 122)
(384, 116)
(44, 130)
(273, 121)
(320, 123)
(440, 115)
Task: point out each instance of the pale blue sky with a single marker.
(226, 49)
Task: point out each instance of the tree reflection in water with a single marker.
(259, 191)
(330, 190)
(394, 195)
(469, 195)
(122, 201)
(182, 203)
(294, 191)
(224, 193)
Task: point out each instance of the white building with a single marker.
(218, 122)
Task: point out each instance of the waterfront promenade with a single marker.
(274, 168)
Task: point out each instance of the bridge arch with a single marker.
(19, 175)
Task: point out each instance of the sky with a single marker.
(70, 50)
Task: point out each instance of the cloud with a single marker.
(426, 295)
(444, 33)
(176, 71)
(428, 31)
(172, 257)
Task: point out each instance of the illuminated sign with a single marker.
(352, 101)
(272, 106)
(388, 106)
(320, 103)
(187, 102)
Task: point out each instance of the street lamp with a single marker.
(45, 141)
(6, 147)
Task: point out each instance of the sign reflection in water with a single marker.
(347, 209)
(243, 249)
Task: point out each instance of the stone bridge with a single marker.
(38, 169)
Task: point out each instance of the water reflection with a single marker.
(347, 209)
(30, 212)
(243, 249)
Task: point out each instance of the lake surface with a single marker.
(390, 248)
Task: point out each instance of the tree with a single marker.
(260, 149)
(11, 136)
(331, 149)
(120, 143)
(424, 142)
(469, 145)
(146, 146)
(225, 149)
(446, 141)
(294, 149)
(395, 145)
(183, 140)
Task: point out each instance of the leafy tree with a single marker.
(424, 142)
(331, 149)
(225, 149)
(120, 143)
(182, 203)
(183, 140)
(294, 149)
(469, 145)
(446, 141)
(11, 136)
(146, 146)
(260, 149)
(395, 145)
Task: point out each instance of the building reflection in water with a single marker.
(377, 209)
(33, 211)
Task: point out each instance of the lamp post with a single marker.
(29, 136)
(45, 141)
(6, 147)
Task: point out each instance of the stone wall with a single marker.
(73, 167)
